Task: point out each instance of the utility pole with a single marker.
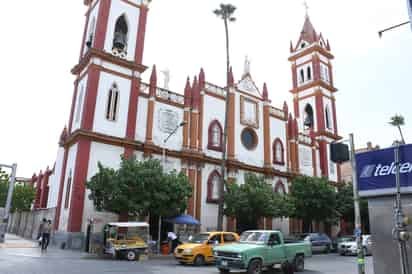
(358, 224)
(400, 232)
(5, 220)
(164, 169)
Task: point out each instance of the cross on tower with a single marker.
(305, 4)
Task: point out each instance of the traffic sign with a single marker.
(358, 232)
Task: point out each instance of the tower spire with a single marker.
(305, 4)
(308, 32)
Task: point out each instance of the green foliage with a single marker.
(345, 205)
(255, 199)
(314, 199)
(4, 185)
(397, 120)
(139, 188)
(225, 12)
(23, 196)
(344, 202)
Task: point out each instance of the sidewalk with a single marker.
(14, 241)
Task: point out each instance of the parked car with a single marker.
(262, 248)
(320, 241)
(350, 247)
(198, 250)
(341, 239)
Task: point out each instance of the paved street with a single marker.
(15, 260)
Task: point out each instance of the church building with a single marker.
(114, 113)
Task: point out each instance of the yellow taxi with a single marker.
(198, 250)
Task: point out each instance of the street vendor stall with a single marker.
(127, 240)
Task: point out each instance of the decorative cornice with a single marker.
(314, 84)
(185, 155)
(309, 50)
(104, 56)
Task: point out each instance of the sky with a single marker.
(41, 43)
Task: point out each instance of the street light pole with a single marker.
(358, 225)
(5, 219)
(164, 168)
(400, 232)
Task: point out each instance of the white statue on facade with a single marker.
(246, 69)
(166, 77)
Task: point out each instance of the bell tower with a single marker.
(314, 93)
(105, 97)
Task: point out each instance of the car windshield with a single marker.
(199, 238)
(347, 239)
(254, 237)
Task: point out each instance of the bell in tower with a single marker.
(308, 120)
(120, 37)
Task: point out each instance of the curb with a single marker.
(161, 257)
(18, 246)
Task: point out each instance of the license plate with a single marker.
(224, 263)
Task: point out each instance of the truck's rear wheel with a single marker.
(223, 271)
(287, 268)
(299, 263)
(255, 267)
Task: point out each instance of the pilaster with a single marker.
(198, 208)
(102, 21)
(150, 107)
(266, 128)
(231, 124)
(79, 186)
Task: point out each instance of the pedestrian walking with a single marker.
(40, 232)
(46, 235)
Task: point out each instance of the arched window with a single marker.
(68, 189)
(301, 76)
(120, 35)
(280, 188)
(308, 117)
(215, 136)
(213, 187)
(79, 104)
(278, 152)
(90, 35)
(309, 72)
(112, 103)
(328, 118)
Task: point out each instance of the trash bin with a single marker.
(164, 248)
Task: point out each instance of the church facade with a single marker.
(115, 113)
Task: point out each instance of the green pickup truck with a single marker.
(258, 249)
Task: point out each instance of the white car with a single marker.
(350, 247)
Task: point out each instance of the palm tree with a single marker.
(225, 12)
(398, 121)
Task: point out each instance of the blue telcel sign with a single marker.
(376, 171)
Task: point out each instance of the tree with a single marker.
(345, 206)
(253, 200)
(4, 186)
(225, 12)
(139, 188)
(314, 199)
(23, 195)
(398, 121)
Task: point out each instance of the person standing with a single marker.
(46, 235)
(40, 232)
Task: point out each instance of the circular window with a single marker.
(249, 138)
